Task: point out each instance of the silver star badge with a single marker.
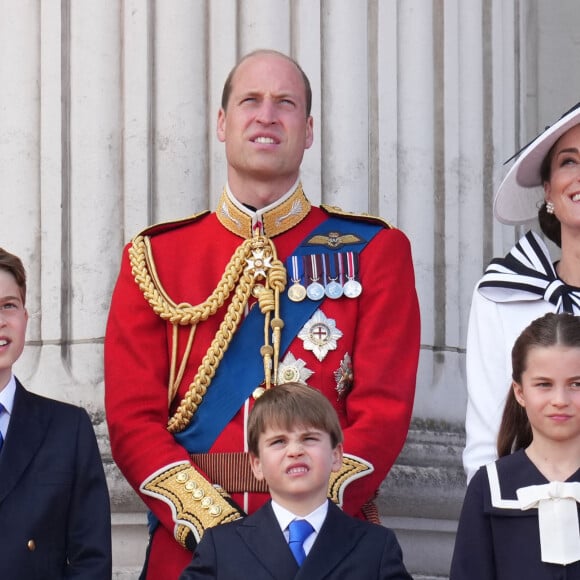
(293, 370)
(320, 335)
(259, 263)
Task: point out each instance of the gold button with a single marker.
(190, 485)
(206, 502)
(215, 510)
(182, 476)
(31, 545)
(198, 494)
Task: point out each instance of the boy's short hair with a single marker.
(13, 265)
(290, 405)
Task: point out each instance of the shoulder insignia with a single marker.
(337, 211)
(172, 225)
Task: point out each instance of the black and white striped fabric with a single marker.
(527, 273)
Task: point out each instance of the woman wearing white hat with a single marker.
(544, 181)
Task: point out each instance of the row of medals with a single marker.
(332, 289)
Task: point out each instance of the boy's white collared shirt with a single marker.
(315, 519)
(7, 401)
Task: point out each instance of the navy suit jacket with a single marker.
(254, 547)
(55, 519)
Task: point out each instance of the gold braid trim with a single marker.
(353, 467)
(143, 269)
(254, 266)
(195, 503)
(335, 210)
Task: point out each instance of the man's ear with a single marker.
(309, 137)
(221, 125)
(256, 466)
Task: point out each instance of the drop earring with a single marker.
(549, 207)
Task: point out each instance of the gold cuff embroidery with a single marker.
(352, 468)
(195, 503)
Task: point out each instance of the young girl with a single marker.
(520, 515)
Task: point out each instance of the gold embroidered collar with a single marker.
(274, 219)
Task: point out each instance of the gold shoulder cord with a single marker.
(253, 267)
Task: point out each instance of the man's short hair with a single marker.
(13, 265)
(227, 90)
(292, 405)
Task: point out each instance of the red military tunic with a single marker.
(380, 333)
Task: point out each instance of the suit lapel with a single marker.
(337, 538)
(25, 435)
(264, 538)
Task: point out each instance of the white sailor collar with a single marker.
(555, 504)
(526, 273)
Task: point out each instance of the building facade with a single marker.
(107, 124)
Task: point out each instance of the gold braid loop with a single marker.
(143, 269)
(212, 358)
(263, 265)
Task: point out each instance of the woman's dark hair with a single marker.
(551, 329)
(549, 223)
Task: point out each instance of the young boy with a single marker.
(295, 443)
(54, 503)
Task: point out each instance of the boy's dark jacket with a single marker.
(54, 504)
(254, 547)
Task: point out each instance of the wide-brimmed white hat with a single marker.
(521, 192)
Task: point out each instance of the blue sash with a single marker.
(240, 372)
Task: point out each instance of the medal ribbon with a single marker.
(340, 263)
(295, 266)
(352, 265)
(314, 262)
(238, 374)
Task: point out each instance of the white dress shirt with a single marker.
(7, 401)
(315, 519)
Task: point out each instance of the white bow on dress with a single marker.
(558, 518)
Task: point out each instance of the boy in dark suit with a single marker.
(54, 502)
(295, 443)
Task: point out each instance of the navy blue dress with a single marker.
(503, 543)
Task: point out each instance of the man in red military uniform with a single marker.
(209, 310)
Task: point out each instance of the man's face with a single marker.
(265, 127)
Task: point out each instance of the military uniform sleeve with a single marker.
(385, 357)
(136, 400)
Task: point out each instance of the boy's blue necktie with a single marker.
(299, 531)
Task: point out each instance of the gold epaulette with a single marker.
(162, 227)
(337, 211)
